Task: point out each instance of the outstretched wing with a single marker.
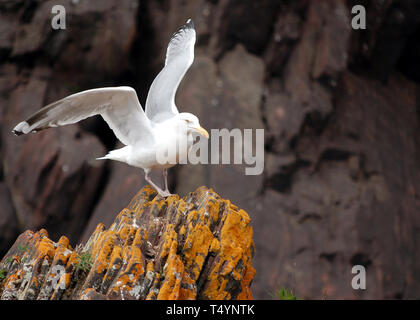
(119, 106)
(160, 103)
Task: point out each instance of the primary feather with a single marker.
(160, 103)
(118, 106)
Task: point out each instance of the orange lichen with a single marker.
(173, 272)
(235, 244)
(102, 251)
(188, 290)
(74, 257)
(196, 247)
(169, 236)
(215, 245)
(45, 248)
(246, 293)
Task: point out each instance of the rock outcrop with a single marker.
(198, 247)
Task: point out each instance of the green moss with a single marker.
(84, 262)
(22, 248)
(2, 274)
(285, 294)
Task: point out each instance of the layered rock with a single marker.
(198, 247)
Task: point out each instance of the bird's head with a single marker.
(192, 123)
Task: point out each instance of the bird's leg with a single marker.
(159, 190)
(165, 177)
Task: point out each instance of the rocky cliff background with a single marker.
(340, 109)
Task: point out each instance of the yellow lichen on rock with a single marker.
(172, 272)
(234, 256)
(198, 247)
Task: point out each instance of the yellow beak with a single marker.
(203, 132)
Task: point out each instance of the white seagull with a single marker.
(144, 134)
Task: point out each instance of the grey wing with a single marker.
(160, 103)
(119, 107)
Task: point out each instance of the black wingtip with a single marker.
(21, 128)
(17, 133)
(189, 24)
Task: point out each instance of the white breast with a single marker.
(171, 147)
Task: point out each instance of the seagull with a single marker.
(145, 134)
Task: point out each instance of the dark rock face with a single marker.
(339, 107)
(52, 178)
(121, 184)
(8, 221)
(208, 94)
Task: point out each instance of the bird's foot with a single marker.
(165, 193)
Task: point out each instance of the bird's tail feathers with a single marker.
(119, 154)
(103, 158)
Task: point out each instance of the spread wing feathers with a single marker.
(160, 103)
(119, 106)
